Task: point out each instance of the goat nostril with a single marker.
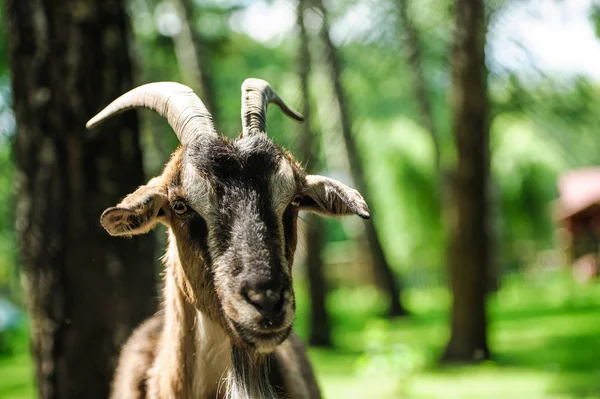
(265, 300)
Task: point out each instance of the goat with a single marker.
(231, 209)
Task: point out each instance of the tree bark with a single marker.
(382, 269)
(191, 51)
(85, 290)
(469, 256)
(320, 331)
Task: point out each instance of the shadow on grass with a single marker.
(572, 360)
(560, 345)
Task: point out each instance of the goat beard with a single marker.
(248, 377)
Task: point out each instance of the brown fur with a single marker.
(130, 380)
(231, 206)
(160, 360)
(232, 209)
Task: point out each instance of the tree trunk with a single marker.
(382, 269)
(320, 332)
(468, 235)
(320, 326)
(191, 51)
(85, 290)
(413, 48)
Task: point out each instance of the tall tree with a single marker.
(320, 334)
(468, 252)
(412, 44)
(383, 271)
(192, 55)
(85, 290)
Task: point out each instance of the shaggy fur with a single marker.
(231, 208)
(179, 353)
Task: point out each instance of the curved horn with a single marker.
(184, 111)
(256, 96)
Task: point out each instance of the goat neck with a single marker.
(194, 353)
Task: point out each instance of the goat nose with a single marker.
(264, 298)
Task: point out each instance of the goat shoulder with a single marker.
(136, 359)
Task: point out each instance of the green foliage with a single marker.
(595, 18)
(17, 377)
(401, 177)
(7, 236)
(16, 366)
(3, 42)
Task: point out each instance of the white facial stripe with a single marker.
(283, 186)
(198, 191)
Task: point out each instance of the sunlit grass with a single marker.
(545, 338)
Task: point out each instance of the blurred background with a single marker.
(471, 127)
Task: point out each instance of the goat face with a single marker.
(232, 208)
(241, 220)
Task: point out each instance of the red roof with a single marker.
(578, 189)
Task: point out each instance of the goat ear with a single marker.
(138, 213)
(332, 198)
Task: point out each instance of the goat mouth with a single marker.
(261, 340)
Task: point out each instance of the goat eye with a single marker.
(297, 200)
(179, 207)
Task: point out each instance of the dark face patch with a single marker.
(245, 239)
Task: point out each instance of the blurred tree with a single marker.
(85, 290)
(382, 269)
(320, 334)
(412, 43)
(468, 252)
(192, 57)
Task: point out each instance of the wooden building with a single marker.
(577, 210)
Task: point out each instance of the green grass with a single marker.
(555, 355)
(545, 338)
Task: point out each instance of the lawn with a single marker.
(545, 337)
